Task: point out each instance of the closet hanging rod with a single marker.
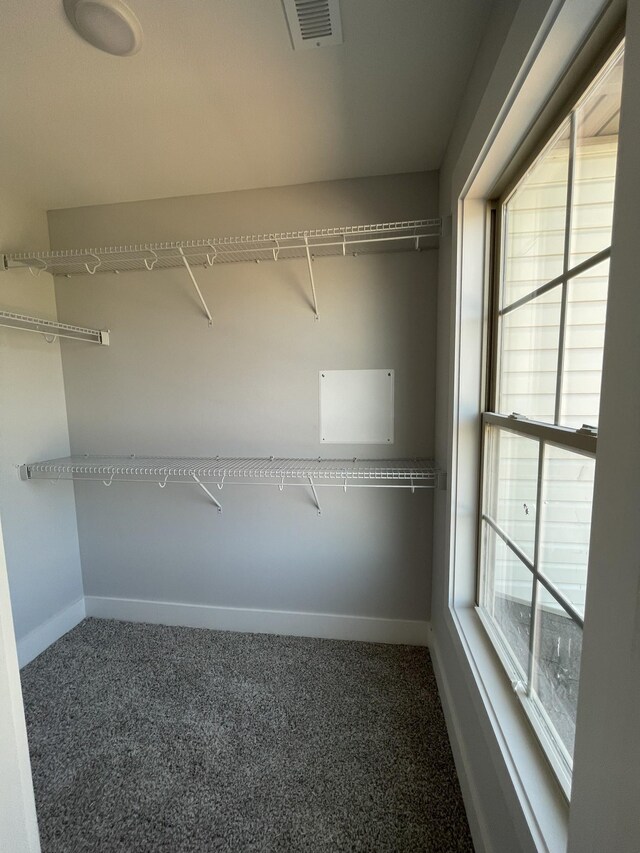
(288, 245)
(51, 329)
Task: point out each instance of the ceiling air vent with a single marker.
(313, 23)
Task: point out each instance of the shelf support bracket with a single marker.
(313, 285)
(207, 492)
(315, 496)
(195, 284)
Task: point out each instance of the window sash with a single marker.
(524, 683)
(498, 249)
(583, 440)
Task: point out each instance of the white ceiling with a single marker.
(217, 99)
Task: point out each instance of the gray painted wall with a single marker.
(39, 524)
(171, 385)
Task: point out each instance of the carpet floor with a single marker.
(152, 739)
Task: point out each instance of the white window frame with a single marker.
(519, 97)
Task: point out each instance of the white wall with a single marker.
(248, 386)
(40, 577)
(18, 822)
(40, 532)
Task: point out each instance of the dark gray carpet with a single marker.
(150, 738)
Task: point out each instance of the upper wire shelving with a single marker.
(225, 250)
(309, 245)
(217, 472)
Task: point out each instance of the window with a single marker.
(552, 236)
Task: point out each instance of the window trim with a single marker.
(543, 132)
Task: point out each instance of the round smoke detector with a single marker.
(109, 25)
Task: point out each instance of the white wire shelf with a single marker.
(217, 471)
(356, 239)
(353, 240)
(51, 329)
(212, 470)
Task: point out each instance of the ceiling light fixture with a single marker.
(109, 25)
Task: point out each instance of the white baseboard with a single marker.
(411, 632)
(328, 626)
(36, 641)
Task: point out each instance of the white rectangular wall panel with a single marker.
(356, 406)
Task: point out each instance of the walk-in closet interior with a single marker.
(241, 361)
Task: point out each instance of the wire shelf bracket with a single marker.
(207, 492)
(195, 284)
(51, 329)
(414, 234)
(413, 474)
(315, 496)
(313, 284)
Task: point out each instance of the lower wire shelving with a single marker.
(218, 471)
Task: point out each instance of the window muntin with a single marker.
(539, 463)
